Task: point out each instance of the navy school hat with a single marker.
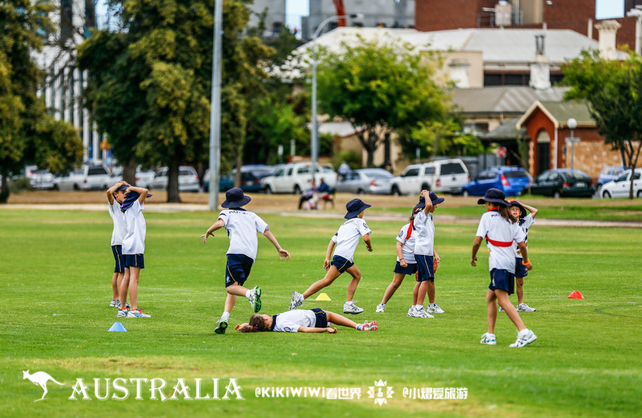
(434, 199)
(234, 198)
(130, 199)
(495, 196)
(355, 207)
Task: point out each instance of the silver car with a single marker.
(366, 180)
(187, 179)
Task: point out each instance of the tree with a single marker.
(28, 135)
(380, 88)
(613, 90)
(443, 137)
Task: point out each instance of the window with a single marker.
(97, 171)
(290, 171)
(303, 170)
(452, 168)
(429, 171)
(279, 173)
(413, 172)
(515, 174)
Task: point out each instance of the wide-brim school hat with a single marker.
(122, 188)
(130, 199)
(421, 204)
(234, 198)
(495, 196)
(522, 209)
(355, 207)
(435, 199)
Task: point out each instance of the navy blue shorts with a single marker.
(409, 269)
(520, 269)
(502, 279)
(117, 250)
(238, 269)
(425, 268)
(135, 260)
(341, 263)
(322, 318)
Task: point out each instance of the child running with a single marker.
(346, 240)
(406, 263)
(133, 249)
(241, 226)
(115, 197)
(518, 210)
(426, 257)
(500, 231)
(303, 320)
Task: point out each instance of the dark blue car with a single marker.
(511, 180)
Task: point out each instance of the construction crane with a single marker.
(341, 11)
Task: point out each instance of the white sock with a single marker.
(431, 304)
(248, 293)
(225, 316)
(523, 332)
(359, 327)
(350, 303)
(383, 304)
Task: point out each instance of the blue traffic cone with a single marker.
(117, 327)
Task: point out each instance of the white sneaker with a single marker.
(522, 307)
(434, 309)
(296, 301)
(501, 309)
(255, 299)
(137, 314)
(488, 339)
(422, 313)
(381, 308)
(411, 312)
(369, 326)
(351, 308)
(524, 340)
(114, 303)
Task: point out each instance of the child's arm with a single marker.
(402, 262)
(217, 225)
(476, 245)
(143, 193)
(272, 238)
(308, 329)
(112, 190)
(525, 261)
(437, 258)
(328, 254)
(366, 239)
(426, 195)
(531, 209)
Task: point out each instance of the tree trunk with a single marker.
(172, 182)
(4, 189)
(634, 163)
(239, 165)
(129, 172)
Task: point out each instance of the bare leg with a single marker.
(421, 296)
(352, 286)
(114, 285)
(134, 277)
(520, 290)
(340, 320)
(124, 286)
(330, 277)
(236, 290)
(230, 300)
(492, 311)
(415, 293)
(431, 291)
(504, 302)
(119, 282)
(392, 287)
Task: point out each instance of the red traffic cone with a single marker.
(575, 295)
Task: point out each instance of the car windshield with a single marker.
(515, 174)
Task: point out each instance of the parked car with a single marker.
(609, 173)
(249, 182)
(39, 179)
(296, 177)
(510, 180)
(88, 177)
(447, 176)
(563, 183)
(187, 179)
(621, 186)
(259, 171)
(366, 180)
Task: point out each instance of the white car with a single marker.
(187, 179)
(297, 177)
(446, 176)
(88, 177)
(620, 186)
(39, 179)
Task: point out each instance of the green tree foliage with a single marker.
(380, 88)
(28, 135)
(613, 90)
(444, 137)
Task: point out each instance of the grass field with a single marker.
(55, 286)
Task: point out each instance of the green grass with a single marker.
(55, 286)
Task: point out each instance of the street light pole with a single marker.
(572, 124)
(215, 107)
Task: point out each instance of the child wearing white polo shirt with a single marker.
(115, 197)
(346, 241)
(303, 320)
(133, 249)
(241, 226)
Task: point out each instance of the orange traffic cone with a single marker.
(576, 295)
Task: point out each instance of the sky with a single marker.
(609, 9)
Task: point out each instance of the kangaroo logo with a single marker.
(40, 379)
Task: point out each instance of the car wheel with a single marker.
(425, 187)
(56, 188)
(395, 190)
(76, 187)
(607, 195)
(361, 191)
(557, 194)
(465, 193)
(639, 193)
(297, 189)
(268, 190)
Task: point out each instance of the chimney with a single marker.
(540, 66)
(459, 73)
(503, 11)
(608, 30)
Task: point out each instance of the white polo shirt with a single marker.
(500, 236)
(242, 226)
(347, 237)
(134, 242)
(408, 244)
(118, 235)
(290, 321)
(424, 233)
(524, 224)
